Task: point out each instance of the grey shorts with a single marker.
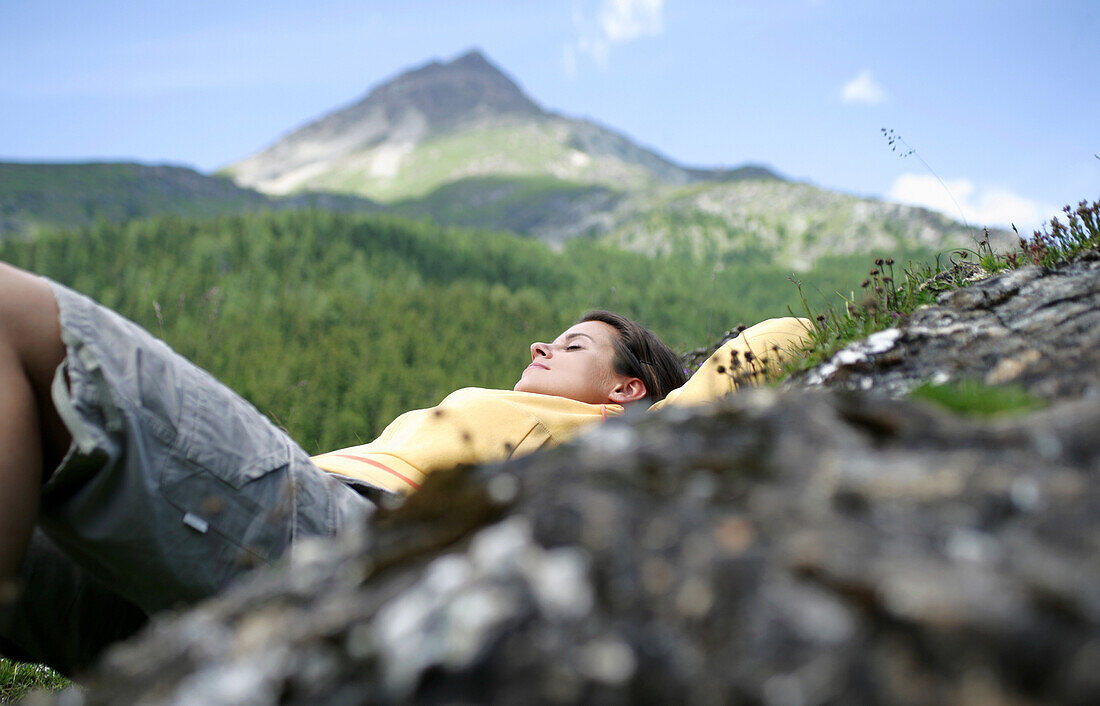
(173, 485)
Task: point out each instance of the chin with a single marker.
(533, 389)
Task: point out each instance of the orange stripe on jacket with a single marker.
(387, 469)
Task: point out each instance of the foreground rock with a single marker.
(784, 547)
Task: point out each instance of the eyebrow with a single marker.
(571, 336)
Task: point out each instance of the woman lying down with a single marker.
(131, 480)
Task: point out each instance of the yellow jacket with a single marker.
(475, 425)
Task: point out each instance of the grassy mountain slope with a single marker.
(76, 194)
(769, 220)
(550, 209)
(35, 196)
(500, 148)
(795, 224)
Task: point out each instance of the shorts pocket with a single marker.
(256, 517)
(229, 472)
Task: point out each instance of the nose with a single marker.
(539, 349)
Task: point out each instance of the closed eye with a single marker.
(573, 347)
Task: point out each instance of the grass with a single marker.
(890, 293)
(974, 398)
(1056, 242)
(17, 679)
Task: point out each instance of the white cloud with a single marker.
(982, 206)
(622, 20)
(615, 21)
(863, 89)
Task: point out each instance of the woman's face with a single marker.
(580, 365)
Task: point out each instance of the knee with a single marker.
(19, 295)
(29, 326)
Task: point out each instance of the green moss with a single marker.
(972, 397)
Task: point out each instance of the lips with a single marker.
(536, 365)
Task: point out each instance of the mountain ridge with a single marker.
(770, 220)
(462, 143)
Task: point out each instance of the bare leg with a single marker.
(32, 437)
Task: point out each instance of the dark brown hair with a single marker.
(640, 354)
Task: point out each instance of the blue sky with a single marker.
(999, 98)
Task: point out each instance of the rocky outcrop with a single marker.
(790, 546)
(1033, 327)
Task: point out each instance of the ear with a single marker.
(627, 390)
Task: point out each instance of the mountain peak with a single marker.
(474, 59)
(448, 94)
(444, 121)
